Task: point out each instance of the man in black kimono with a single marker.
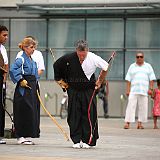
(75, 73)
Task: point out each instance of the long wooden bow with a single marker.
(92, 129)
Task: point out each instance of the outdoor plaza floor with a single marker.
(115, 143)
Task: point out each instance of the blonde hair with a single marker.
(26, 42)
(32, 38)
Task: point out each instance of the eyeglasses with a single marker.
(139, 56)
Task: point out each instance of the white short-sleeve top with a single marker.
(37, 57)
(91, 62)
(4, 54)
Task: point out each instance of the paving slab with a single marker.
(115, 143)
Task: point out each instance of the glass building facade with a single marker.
(104, 35)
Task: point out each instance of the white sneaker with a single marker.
(77, 145)
(86, 146)
(24, 141)
(21, 140)
(29, 140)
(2, 142)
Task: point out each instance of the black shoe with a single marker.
(106, 115)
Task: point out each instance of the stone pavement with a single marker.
(114, 143)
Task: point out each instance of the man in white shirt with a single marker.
(3, 75)
(140, 78)
(75, 73)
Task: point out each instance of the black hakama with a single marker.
(78, 119)
(26, 118)
(2, 111)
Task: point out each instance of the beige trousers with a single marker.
(133, 101)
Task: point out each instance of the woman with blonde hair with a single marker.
(24, 72)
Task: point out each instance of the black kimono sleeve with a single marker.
(60, 69)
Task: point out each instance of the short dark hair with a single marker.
(3, 28)
(140, 52)
(81, 45)
(158, 82)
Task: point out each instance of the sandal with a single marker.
(155, 127)
(126, 126)
(140, 127)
